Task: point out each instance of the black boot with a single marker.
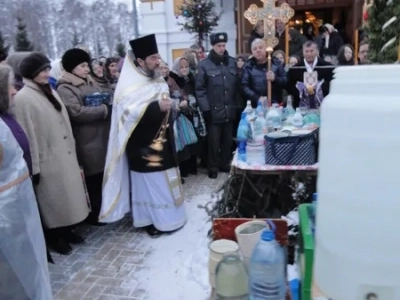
(152, 231)
(60, 246)
(72, 238)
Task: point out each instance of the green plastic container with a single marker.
(305, 252)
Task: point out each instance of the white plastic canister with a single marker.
(358, 208)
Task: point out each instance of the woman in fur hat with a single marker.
(90, 118)
(56, 174)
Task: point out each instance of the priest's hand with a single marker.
(270, 76)
(165, 104)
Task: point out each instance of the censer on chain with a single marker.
(155, 160)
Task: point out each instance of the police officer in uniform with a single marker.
(215, 92)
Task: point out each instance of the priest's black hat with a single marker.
(144, 46)
(219, 37)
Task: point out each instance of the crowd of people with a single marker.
(61, 114)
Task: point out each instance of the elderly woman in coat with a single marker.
(90, 119)
(56, 174)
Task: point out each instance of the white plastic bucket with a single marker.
(247, 235)
(218, 249)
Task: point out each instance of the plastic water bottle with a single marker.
(274, 120)
(297, 119)
(260, 108)
(243, 128)
(266, 271)
(242, 156)
(289, 106)
(248, 109)
(242, 136)
(260, 126)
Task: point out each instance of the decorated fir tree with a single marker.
(200, 18)
(22, 42)
(383, 27)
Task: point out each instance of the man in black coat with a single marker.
(215, 91)
(311, 62)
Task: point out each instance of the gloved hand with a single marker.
(36, 179)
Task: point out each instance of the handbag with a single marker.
(184, 133)
(299, 150)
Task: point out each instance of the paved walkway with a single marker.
(104, 267)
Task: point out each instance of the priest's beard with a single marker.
(152, 73)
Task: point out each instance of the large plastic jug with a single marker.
(358, 180)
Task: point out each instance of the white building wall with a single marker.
(161, 20)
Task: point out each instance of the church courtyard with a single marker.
(119, 262)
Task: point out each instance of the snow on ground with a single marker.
(177, 267)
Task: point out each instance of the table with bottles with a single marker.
(256, 180)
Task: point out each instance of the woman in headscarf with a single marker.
(56, 175)
(111, 71)
(97, 73)
(185, 80)
(90, 116)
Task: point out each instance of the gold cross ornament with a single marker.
(269, 13)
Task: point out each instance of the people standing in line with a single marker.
(141, 166)
(256, 76)
(56, 174)
(216, 84)
(90, 120)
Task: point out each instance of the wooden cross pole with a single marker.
(269, 13)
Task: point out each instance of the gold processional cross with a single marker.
(269, 13)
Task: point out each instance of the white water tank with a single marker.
(357, 255)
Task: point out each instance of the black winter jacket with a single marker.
(254, 80)
(216, 82)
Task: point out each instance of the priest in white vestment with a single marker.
(141, 175)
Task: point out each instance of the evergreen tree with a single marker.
(120, 49)
(384, 31)
(22, 42)
(100, 49)
(200, 18)
(75, 40)
(3, 47)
